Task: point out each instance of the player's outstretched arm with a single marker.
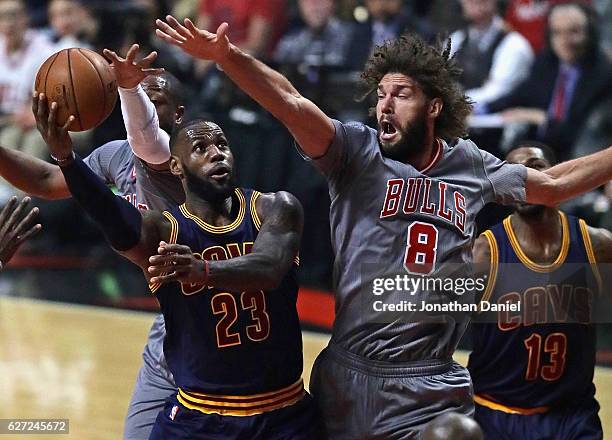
(32, 175)
(126, 229)
(15, 227)
(311, 128)
(274, 251)
(569, 179)
(148, 141)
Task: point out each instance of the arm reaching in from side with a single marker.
(131, 233)
(32, 175)
(311, 128)
(274, 251)
(569, 179)
(147, 140)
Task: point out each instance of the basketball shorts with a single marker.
(363, 399)
(575, 422)
(295, 422)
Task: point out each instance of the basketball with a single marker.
(82, 83)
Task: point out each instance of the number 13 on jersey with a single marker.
(421, 248)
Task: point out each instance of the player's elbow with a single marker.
(293, 107)
(271, 272)
(51, 185)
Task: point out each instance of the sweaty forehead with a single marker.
(156, 83)
(203, 130)
(525, 154)
(397, 79)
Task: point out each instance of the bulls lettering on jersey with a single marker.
(391, 217)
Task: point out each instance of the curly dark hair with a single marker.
(433, 69)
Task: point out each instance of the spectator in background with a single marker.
(22, 51)
(71, 24)
(570, 77)
(316, 59)
(604, 8)
(528, 17)
(388, 19)
(256, 25)
(141, 29)
(322, 41)
(494, 59)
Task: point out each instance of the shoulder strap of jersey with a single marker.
(252, 204)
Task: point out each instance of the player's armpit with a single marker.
(482, 251)
(601, 239)
(599, 249)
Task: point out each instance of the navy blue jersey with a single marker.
(222, 342)
(544, 354)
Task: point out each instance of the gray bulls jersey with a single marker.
(380, 208)
(145, 188)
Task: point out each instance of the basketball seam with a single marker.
(47, 74)
(101, 82)
(76, 104)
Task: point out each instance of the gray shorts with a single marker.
(361, 399)
(154, 386)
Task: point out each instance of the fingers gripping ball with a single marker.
(82, 83)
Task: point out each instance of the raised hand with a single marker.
(15, 228)
(128, 72)
(56, 136)
(198, 43)
(175, 262)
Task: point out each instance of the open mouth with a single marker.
(220, 173)
(388, 130)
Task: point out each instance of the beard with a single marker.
(208, 190)
(410, 142)
(530, 211)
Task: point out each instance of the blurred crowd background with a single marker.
(536, 69)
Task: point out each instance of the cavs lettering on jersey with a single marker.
(543, 355)
(234, 353)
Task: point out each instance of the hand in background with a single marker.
(198, 43)
(128, 72)
(15, 227)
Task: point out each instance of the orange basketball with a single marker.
(82, 83)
